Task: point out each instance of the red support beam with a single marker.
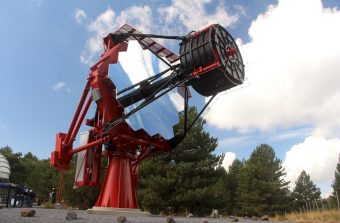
(67, 141)
(80, 120)
(89, 145)
(60, 185)
(91, 164)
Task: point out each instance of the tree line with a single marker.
(188, 179)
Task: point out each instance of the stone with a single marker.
(234, 219)
(204, 221)
(71, 214)
(254, 218)
(265, 218)
(170, 219)
(190, 215)
(27, 213)
(121, 218)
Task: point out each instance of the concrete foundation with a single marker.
(128, 212)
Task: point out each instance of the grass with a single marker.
(329, 216)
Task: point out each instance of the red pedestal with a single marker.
(119, 186)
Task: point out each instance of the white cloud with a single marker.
(139, 17)
(291, 134)
(37, 3)
(102, 25)
(108, 22)
(240, 9)
(59, 86)
(232, 141)
(191, 13)
(229, 158)
(292, 65)
(80, 16)
(318, 156)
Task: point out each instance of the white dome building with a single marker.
(4, 169)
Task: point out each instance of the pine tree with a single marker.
(232, 185)
(42, 179)
(305, 190)
(187, 179)
(156, 185)
(261, 187)
(336, 182)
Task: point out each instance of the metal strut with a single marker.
(174, 141)
(154, 77)
(118, 36)
(167, 85)
(159, 57)
(201, 112)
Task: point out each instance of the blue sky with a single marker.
(289, 99)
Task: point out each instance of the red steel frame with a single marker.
(122, 142)
(124, 147)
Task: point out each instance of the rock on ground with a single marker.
(71, 214)
(234, 219)
(265, 218)
(27, 213)
(170, 219)
(254, 218)
(121, 218)
(42, 215)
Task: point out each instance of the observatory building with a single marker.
(4, 169)
(10, 193)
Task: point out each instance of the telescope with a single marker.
(209, 61)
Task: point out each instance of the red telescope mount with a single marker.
(209, 61)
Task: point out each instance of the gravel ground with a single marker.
(12, 215)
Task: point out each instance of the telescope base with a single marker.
(128, 212)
